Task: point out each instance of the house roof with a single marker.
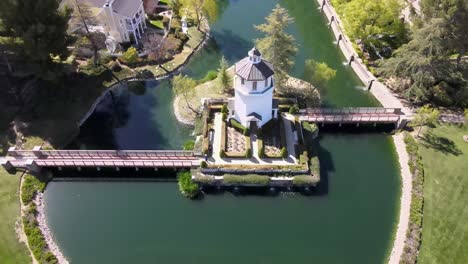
(254, 71)
(257, 116)
(126, 8)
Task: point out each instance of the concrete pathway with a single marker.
(405, 200)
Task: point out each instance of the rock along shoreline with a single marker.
(42, 223)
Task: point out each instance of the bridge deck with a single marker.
(350, 115)
(30, 159)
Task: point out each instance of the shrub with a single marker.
(294, 109)
(248, 153)
(187, 187)
(224, 109)
(189, 144)
(304, 157)
(315, 166)
(31, 186)
(203, 164)
(302, 180)
(222, 153)
(246, 179)
(261, 148)
(209, 76)
(130, 56)
(224, 116)
(176, 25)
(284, 152)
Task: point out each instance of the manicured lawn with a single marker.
(11, 250)
(157, 23)
(445, 222)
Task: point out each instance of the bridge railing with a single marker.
(105, 154)
(350, 110)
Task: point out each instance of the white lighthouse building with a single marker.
(253, 85)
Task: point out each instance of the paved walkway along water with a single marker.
(405, 200)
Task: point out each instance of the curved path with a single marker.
(387, 99)
(405, 200)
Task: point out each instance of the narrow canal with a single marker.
(350, 221)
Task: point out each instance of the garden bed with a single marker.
(271, 139)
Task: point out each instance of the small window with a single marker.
(242, 81)
(254, 85)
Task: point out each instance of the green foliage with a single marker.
(318, 73)
(130, 56)
(277, 46)
(432, 76)
(40, 26)
(294, 109)
(203, 164)
(224, 116)
(303, 180)
(246, 179)
(187, 187)
(248, 153)
(222, 153)
(224, 109)
(417, 199)
(184, 86)
(31, 186)
(209, 76)
(304, 157)
(369, 20)
(315, 166)
(261, 148)
(425, 116)
(189, 144)
(239, 127)
(466, 115)
(284, 152)
(223, 78)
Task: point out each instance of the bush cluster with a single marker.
(31, 186)
(187, 187)
(294, 109)
(315, 166)
(413, 238)
(284, 152)
(304, 180)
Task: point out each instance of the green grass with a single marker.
(445, 224)
(157, 23)
(11, 250)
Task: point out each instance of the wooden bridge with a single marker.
(353, 115)
(37, 158)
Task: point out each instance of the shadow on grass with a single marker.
(441, 144)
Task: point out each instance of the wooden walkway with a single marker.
(36, 159)
(356, 115)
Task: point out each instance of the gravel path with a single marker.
(405, 200)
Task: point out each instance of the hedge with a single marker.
(304, 180)
(261, 148)
(284, 152)
(413, 235)
(239, 127)
(246, 179)
(223, 136)
(315, 166)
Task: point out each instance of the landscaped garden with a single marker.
(235, 140)
(272, 139)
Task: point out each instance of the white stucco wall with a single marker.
(258, 103)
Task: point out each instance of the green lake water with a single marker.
(350, 219)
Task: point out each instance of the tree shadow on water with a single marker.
(441, 144)
(326, 166)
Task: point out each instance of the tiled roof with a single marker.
(254, 71)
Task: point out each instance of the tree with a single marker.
(184, 86)
(454, 14)
(425, 63)
(223, 78)
(318, 73)
(367, 20)
(130, 56)
(425, 116)
(277, 46)
(200, 10)
(39, 28)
